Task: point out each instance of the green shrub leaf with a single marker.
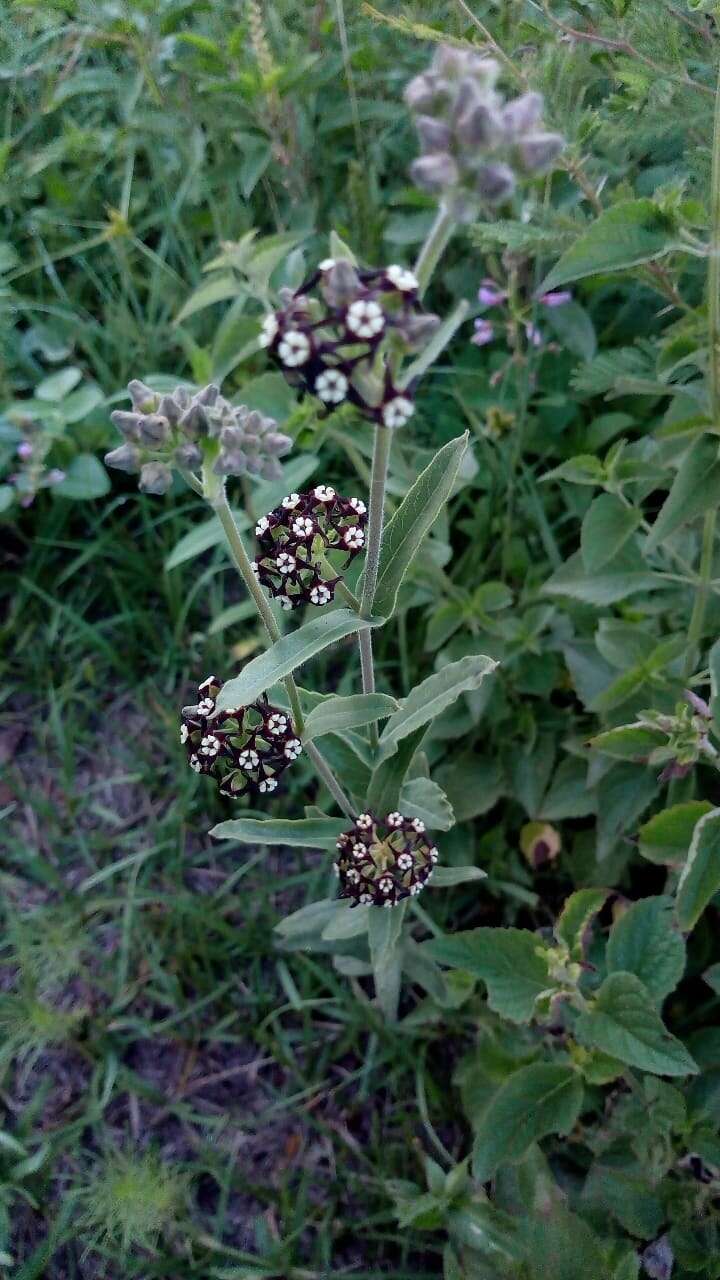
(645, 941)
(666, 837)
(695, 488)
(700, 878)
(606, 527)
(632, 232)
(537, 1100)
(333, 715)
(510, 962)
(429, 699)
(624, 1023)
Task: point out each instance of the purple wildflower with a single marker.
(556, 298)
(483, 334)
(533, 335)
(489, 294)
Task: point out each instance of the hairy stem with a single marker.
(435, 244)
(216, 497)
(697, 619)
(378, 481)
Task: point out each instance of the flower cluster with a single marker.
(491, 295)
(295, 539)
(331, 337)
(380, 862)
(246, 749)
(182, 429)
(474, 143)
(30, 445)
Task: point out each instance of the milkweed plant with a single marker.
(571, 1026)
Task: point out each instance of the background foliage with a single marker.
(183, 1088)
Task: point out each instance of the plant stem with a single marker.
(378, 481)
(697, 619)
(215, 496)
(435, 244)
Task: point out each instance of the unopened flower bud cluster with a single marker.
(382, 861)
(331, 337)
(295, 538)
(176, 431)
(475, 145)
(246, 749)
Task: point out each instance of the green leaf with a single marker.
(695, 488)
(624, 1023)
(85, 478)
(288, 653)
(666, 837)
(304, 833)
(626, 575)
(416, 514)
(7, 497)
(333, 715)
(630, 233)
(217, 288)
(606, 527)
(430, 698)
(201, 538)
(700, 878)
(423, 798)
(448, 877)
(576, 915)
(535, 1101)
(572, 325)
(58, 385)
(306, 925)
(388, 776)
(511, 962)
(629, 742)
(384, 935)
(645, 941)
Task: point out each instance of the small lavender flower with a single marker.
(490, 294)
(556, 298)
(484, 333)
(533, 335)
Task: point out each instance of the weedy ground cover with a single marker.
(359, 798)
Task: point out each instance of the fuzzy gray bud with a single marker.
(341, 284)
(434, 173)
(277, 444)
(522, 114)
(484, 71)
(435, 135)
(154, 431)
(478, 126)
(209, 394)
(538, 152)
(127, 423)
(231, 462)
(142, 396)
(448, 61)
(188, 456)
(495, 183)
(124, 458)
(155, 477)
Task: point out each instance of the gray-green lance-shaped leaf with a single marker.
(430, 698)
(535, 1101)
(423, 798)
(700, 877)
(624, 1023)
(606, 527)
(448, 877)
(416, 514)
(333, 715)
(511, 962)
(645, 941)
(666, 837)
(288, 653)
(304, 833)
(388, 776)
(628, 234)
(384, 938)
(696, 487)
(578, 910)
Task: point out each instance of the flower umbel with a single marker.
(246, 749)
(295, 539)
(382, 861)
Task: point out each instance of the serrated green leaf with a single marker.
(511, 962)
(628, 234)
(305, 833)
(700, 877)
(430, 698)
(695, 488)
(416, 514)
(288, 653)
(333, 715)
(606, 527)
(578, 910)
(623, 577)
(646, 942)
(535, 1101)
(628, 742)
(624, 1023)
(666, 837)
